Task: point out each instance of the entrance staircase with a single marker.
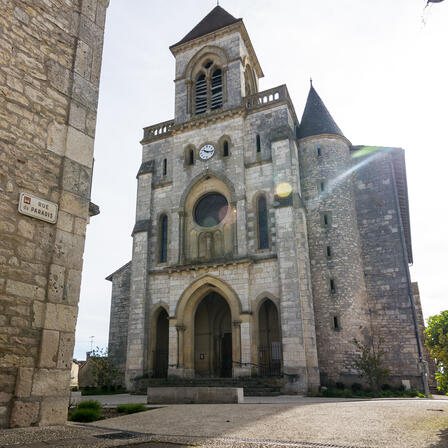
(253, 387)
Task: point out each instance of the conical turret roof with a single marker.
(316, 119)
(216, 19)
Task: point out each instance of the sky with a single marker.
(380, 66)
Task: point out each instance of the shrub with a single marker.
(370, 361)
(386, 387)
(356, 387)
(89, 404)
(340, 385)
(85, 415)
(131, 408)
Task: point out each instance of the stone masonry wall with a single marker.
(50, 60)
(119, 318)
(337, 276)
(384, 264)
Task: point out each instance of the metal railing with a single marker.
(160, 364)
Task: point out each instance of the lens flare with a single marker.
(283, 190)
(366, 151)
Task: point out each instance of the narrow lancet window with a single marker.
(201, 95)
(163, 238)
(225, 149)
(190, 157)
(336, 323)
(262, 215)
(216, 100)
(332, 286)
(165, 164)
(258, 143)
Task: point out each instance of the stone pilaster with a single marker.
(292, 311)
(138, 327)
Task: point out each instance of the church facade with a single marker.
(263, 245)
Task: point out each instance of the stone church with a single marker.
(263, 245)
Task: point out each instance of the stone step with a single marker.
(252, 386)
(261, 392)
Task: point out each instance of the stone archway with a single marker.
(269, 340)
(213, 337)
(222, 325)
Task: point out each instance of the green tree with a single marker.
(103, 370)
(370, 362)
(437, 342)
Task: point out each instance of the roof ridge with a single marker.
(216, 19)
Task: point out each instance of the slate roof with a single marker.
(216, 19)
(316, 119)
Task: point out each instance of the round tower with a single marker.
(339, 291)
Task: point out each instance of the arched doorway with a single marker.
(161, 351)
(213, 337)
(270, 347)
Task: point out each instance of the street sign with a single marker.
(38, 208)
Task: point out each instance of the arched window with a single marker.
(201, 94)
(258, 143)
(225, 149)
(190, 157)
(216, 100)
(262, 221)
(208, 88)
(163, 239)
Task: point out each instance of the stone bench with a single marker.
(196, 395)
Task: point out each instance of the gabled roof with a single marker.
(316, 119)
(216, 19)
(119, 270)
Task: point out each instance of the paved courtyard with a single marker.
(287, 421)
(307, 422)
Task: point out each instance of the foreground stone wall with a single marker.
(50, 61)
(385, 262)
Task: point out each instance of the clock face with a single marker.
(206, 152)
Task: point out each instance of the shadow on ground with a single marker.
(443, 442)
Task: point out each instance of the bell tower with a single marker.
(216, 67)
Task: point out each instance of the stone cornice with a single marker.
(199, 266)
(162, 185)
(209, 119)
(335, 136)
(258, 163)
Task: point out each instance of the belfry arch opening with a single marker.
(213, 337)
(161, 346)
(269, 340)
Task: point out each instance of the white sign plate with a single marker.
(38, 208)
